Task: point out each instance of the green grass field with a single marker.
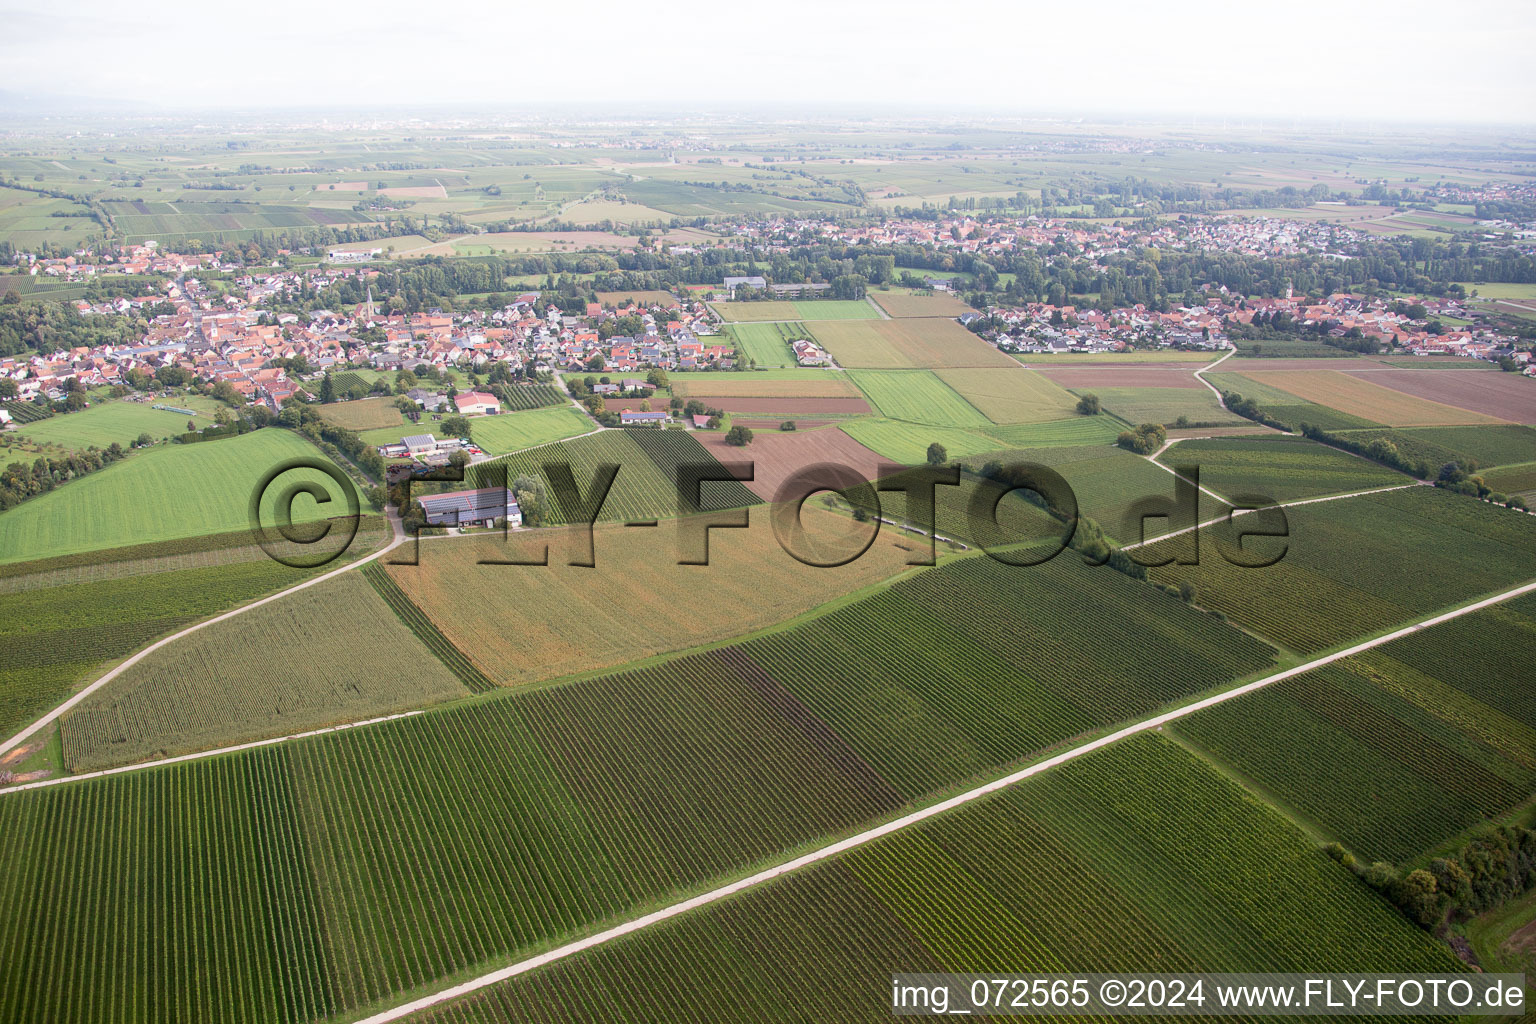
(917, 396)
(1164, 405)
(162, 494)
(511, 431)
(1441, 741)
(118, 421)
(765, 344)
(908, 443)
(1280, 468)
(1155, 859)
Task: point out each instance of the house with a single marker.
(419, 444)
(431, 401)
(5, 418)
(642, 419)
(701, 422)
(482, 506)
(471, 402)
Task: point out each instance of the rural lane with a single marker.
(879, 832)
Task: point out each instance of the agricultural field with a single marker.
(985, 688)
(1480, 446)
(809, 383)
(161, 494)
(1110, 484)
(777, 455)
(917, 396)
(754, 312)
(1361, 565)
(365, 414)
(640, 490)
(907, 443)
(767, 344)
(1078, 430)
(1008, 396)
(1356, 396)
(1519, 480)
(1286, 407)
(1133, 358)
(1157, 856)
(519, 397)
(340, 655)
(1442, 741)
(1163, 405)
(1506, 396)
(904, 304)
(797, 309)
(1278, 467)
(640, 609)
(512, 431)
(117, 422)
(920, 343)
(60, 629)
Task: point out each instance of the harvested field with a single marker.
(779, 454)
(900, 304)
(1128, 376)
(416, 192)
(566, 624)
(1350, 393)
(368, 414)
(773, 424)
(1508, 396)
(751, 385)
(1011, 395)
(776, 406)
(1114, 358)
(916, 343)
(749, 312)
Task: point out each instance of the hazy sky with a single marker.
(1396, 60)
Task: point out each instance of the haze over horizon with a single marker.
(1318, 61)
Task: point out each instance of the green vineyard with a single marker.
(1137, 858)
(517, 397)
(1441, 740)
(1354, 567)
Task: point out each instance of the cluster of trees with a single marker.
(1282, 325)
(21, 481)
(48, 326)
(1496, 866)
(1144, 440)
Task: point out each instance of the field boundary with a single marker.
(933, 810)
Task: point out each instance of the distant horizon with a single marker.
(1315, 62)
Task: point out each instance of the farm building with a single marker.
(641, 419)
(472, 402)
(417, 444)
(431, 401)
(472, 508)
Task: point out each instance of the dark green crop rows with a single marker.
(417, 622)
